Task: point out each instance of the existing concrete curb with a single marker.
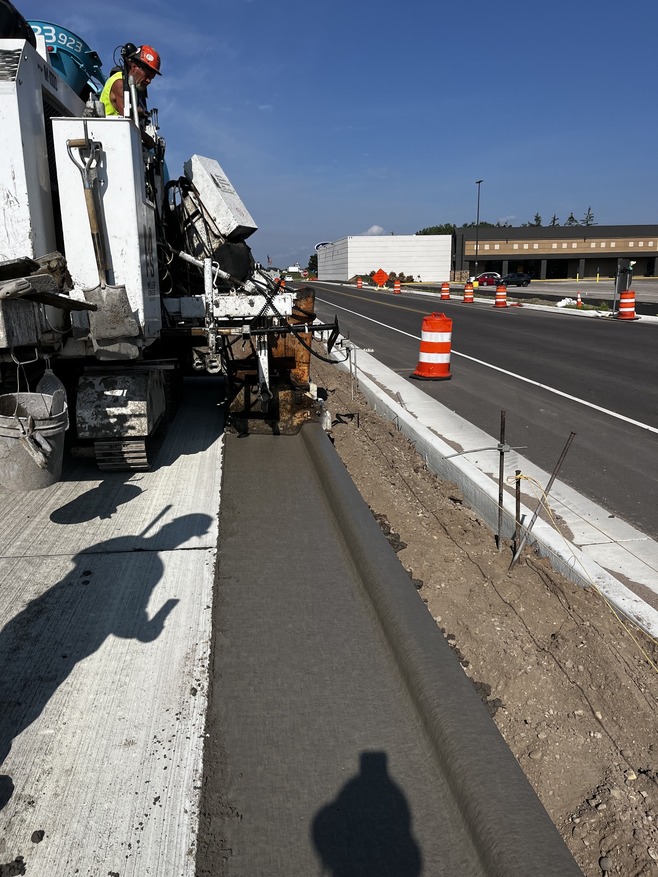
(480, 490)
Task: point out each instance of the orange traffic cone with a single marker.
(434, 356)
(445, 292)
(579, 301)
(396, 287)
(501, 296)
(627, 306)
(468, 294)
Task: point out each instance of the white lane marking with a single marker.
(511, 374)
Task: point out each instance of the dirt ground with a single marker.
(573, 690)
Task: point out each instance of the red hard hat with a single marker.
(148, 57)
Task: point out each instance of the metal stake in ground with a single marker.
(502, 447)
(546, 492)
(517, 521)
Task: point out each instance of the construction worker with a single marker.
(143, 64)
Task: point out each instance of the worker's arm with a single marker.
(116, 95)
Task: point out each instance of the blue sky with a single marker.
(373, 117)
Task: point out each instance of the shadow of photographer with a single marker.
(366, 830)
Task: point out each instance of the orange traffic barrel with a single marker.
(359, 283)
(282, 284)
(501, 296)
(627, 306)
(434, 356)
(396, 286)
(468, 293)
(445, 292)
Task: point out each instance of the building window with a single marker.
(631, 244)
(603, 243)
(496, 246)
(535, 246)
(650, 244)
(592, 245)
(564, 246)
(641, 244)
(486, 246)
(554, 246)
(573, 246)
(516, 246)
(613, 244)
(525, 246)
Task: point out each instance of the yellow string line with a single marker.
(542, 500)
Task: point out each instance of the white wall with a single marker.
(424, 256)
(332, 261)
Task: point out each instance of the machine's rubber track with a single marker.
(343, 737)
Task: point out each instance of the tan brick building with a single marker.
(556, 252)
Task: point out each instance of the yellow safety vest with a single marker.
(110, 109)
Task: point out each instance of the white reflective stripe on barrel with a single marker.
(423, 356)
(436, 337)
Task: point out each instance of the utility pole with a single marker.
(477, 228)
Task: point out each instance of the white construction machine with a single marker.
(117, 281)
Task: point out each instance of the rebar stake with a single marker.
(517, 520)
(546, 492)
(501, 476)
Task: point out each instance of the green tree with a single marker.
(313, 263)
(571, 220)
(446, 228)
(554, 221)
(588, 218)
(536, 222)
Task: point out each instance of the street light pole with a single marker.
(477, 228)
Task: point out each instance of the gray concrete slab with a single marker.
(105, 615)
(345, 737)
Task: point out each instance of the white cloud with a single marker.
(374, 230)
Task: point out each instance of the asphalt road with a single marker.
(552, 374)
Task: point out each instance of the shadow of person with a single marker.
(101, 501)
(366, 830)
(105, 594)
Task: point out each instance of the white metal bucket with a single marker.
(32, 427)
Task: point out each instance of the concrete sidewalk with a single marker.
(106, 583)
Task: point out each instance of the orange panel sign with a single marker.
(380, 277)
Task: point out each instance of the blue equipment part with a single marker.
(78, 65)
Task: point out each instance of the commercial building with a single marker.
(558, 252)
(426, 258)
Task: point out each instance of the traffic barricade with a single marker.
(435, 346)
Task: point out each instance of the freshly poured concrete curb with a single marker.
(510, 828)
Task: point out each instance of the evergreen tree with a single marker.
(588, 218)
(571, 220)
(554, 221)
